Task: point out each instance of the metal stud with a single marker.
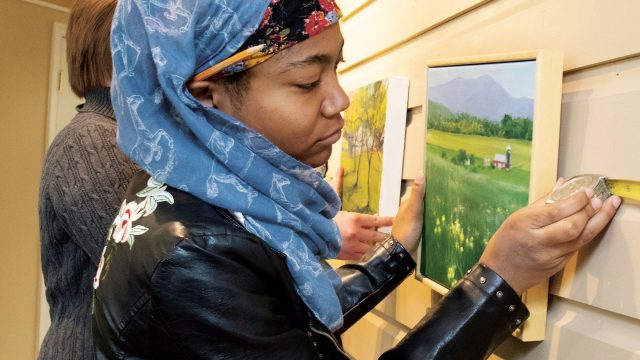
(483, 279)
(512, 308)
(518, 321)
(401, 255)
(499, 294)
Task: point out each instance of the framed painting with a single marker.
(373, 147)
(492, 134)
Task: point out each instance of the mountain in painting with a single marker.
(483, 97)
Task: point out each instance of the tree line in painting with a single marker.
(441, 118)
(363, 139)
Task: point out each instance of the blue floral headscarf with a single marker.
(157, 47)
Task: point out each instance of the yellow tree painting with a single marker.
(362, 148)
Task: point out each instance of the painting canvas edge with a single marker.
(393, 148)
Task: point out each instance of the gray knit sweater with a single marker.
(83, 182)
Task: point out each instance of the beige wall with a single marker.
(25, 37)
(594, 311)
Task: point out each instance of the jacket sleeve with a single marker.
(468, 323)
(366, 283)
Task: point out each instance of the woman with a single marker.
(84, 178)
(219, 251)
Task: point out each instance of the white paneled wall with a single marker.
(594, 311)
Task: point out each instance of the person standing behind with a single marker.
(84, 178)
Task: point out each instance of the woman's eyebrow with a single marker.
(315, 59)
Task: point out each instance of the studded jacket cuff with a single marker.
(473, 318)
(494, 286)
(367, 282)
(385, 259)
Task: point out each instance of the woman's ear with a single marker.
(202, 91)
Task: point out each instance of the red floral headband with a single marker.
(285, 23)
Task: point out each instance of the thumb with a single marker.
(415, 202)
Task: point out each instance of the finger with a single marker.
(336, 183)
(569, 228)
(415, 202)
(592, 228)
(564, 208)
(600, 220)
(377, 237)
(369, 236)
(373, 221)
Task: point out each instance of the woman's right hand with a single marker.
(536, 241)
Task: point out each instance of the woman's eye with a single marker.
(308, 86)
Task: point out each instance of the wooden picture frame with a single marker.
(490, 148)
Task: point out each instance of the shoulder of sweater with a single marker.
(87, 146)
(84, 124)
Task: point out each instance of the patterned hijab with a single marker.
(157, 47)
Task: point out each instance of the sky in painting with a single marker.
(517, 78)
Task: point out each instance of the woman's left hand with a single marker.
(359, 233)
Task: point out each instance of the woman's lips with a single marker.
(331, 138)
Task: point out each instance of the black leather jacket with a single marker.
(197, 285)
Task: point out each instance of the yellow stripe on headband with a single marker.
(242, 55)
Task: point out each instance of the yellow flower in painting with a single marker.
(451, 273)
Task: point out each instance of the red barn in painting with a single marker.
(502, 161)
(499, 161)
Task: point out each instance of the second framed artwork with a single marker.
(491, 147)
(373, 145)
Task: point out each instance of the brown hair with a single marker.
(88, 50)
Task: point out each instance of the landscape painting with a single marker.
(478, 160)
(492, 134)
(372, 147)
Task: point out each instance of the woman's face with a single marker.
(294, 98)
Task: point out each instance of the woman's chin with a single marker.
(318, 159)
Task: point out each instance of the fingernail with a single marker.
(616, 201)
(419, 177)
(596, 203)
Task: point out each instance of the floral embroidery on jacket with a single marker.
(123, 230)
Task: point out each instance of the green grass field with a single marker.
(464, 206)
(361, 192)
